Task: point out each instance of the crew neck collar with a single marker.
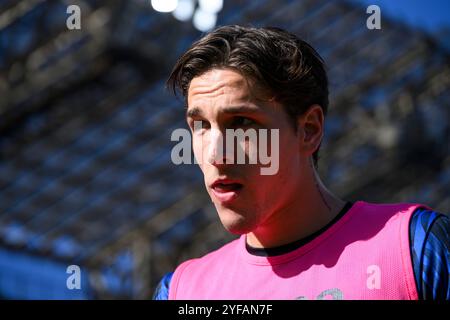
(302, 248)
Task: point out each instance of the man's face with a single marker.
(244, 198)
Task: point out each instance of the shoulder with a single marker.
(424, 219)
(193, 265)
(162, 290)
(430, 244)
(208, 260)
(428, 227)
(400, 208)
(389, 215)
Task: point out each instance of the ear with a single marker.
(311, 126)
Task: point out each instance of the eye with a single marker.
(242, 122)
(198, 124)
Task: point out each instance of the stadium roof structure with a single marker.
(85, 170)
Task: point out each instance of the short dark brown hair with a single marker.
(288, 68)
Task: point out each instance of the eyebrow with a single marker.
(195, 111)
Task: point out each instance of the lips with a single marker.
(226, 190)
(226, 186)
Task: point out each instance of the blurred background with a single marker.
(85, 121)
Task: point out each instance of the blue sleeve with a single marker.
(162, 290)
(429, 235)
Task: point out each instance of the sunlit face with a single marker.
(221, 99)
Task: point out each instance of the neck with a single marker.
(309, 210)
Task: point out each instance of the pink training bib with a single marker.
(364, 255)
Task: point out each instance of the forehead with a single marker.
(218, 83)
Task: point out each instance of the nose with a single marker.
(217, 154)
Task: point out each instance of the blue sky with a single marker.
(424, 14)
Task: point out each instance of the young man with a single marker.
(298, 240)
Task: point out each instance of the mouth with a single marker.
(226, 190)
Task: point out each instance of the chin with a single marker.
(236, 223)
